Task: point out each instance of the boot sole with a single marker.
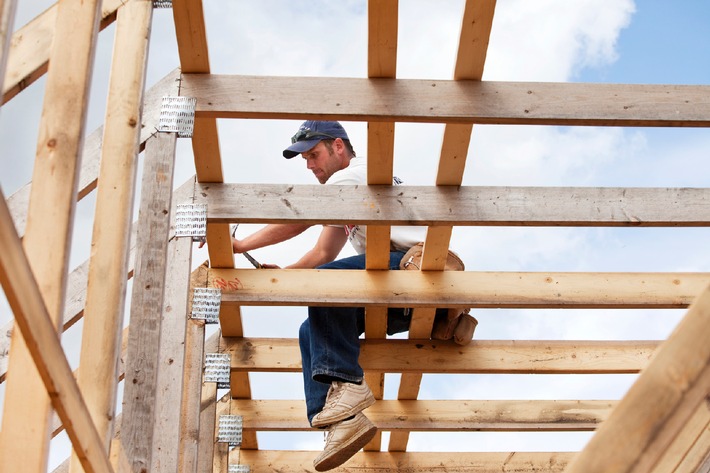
(370, 400)
(358, 441)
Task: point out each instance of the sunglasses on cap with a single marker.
(305, 135)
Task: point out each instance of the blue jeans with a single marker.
(330, 340)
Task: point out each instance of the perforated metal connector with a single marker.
(162, 3)
(206, 302)
(239, 469)
(217, 368)
(177, 115)
(191, 221)
(229, 430)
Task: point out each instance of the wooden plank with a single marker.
(480, 356)
(287, 461)
(447, 101)
(91, 154)
(457, 288)
(191, 396)
(440, 416)
(39, 333)
(148, 289)
(448, 205)
(208, 414)
(106, 290)
(220, 461)
(173, 331)
(29, 56)
(688, 449)
(27, 408)
(7, 20)
(658, 404)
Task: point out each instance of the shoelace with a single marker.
(332, 400)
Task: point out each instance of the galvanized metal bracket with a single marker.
(217, 369)
(162, 3)
(236, 468)
(191, 221)
(177, 115)
(229, 430)
(206, 303)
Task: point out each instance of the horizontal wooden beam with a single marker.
(480, 356)
(287, 287)
(287, 461)
(449, 205)
(448, 101)
(438, 416)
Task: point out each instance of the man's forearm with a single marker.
(269, 235)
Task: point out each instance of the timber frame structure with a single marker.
(171, 414)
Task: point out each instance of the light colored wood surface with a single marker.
(658, 404)
(106, 290)
(449, 205)
(140, 387)
(27, 409)
(444, 416)
(7, 21)
(457, 288)
(287, 461)
(480, 356)
(441, 101)
(686, 452)
(31, 44)
(40, 339)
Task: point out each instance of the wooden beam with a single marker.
(688, 449)
(7, 20)
(27, 409)
(666, 394)
(41, 341)
(148, 290)
(91, 154)
(439, 416)
(442, 101)
(457, 288)
(29, 55)
(480, 356)
(448, 205)
(106, 290)
(286, 461)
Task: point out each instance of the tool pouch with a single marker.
(453, 323)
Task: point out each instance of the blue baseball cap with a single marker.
(312, 132)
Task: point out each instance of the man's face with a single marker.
(322, 161)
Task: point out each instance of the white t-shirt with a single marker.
(402, 238)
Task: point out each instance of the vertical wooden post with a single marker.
(106, 287)
(7, 19)
(27, 410)
(169, 387)
(147, 299)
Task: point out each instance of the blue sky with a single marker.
(615, 41)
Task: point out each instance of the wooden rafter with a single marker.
(441, 101)
(106, 286)
(660, 402)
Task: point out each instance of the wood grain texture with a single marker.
(480, 356)
(442, 101)
(287, 461)
(657, 406)
(457, 288)
(140, 388)
(449, 205)
(439, 416)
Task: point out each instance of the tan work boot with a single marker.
(344, 400)
(344, 440)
